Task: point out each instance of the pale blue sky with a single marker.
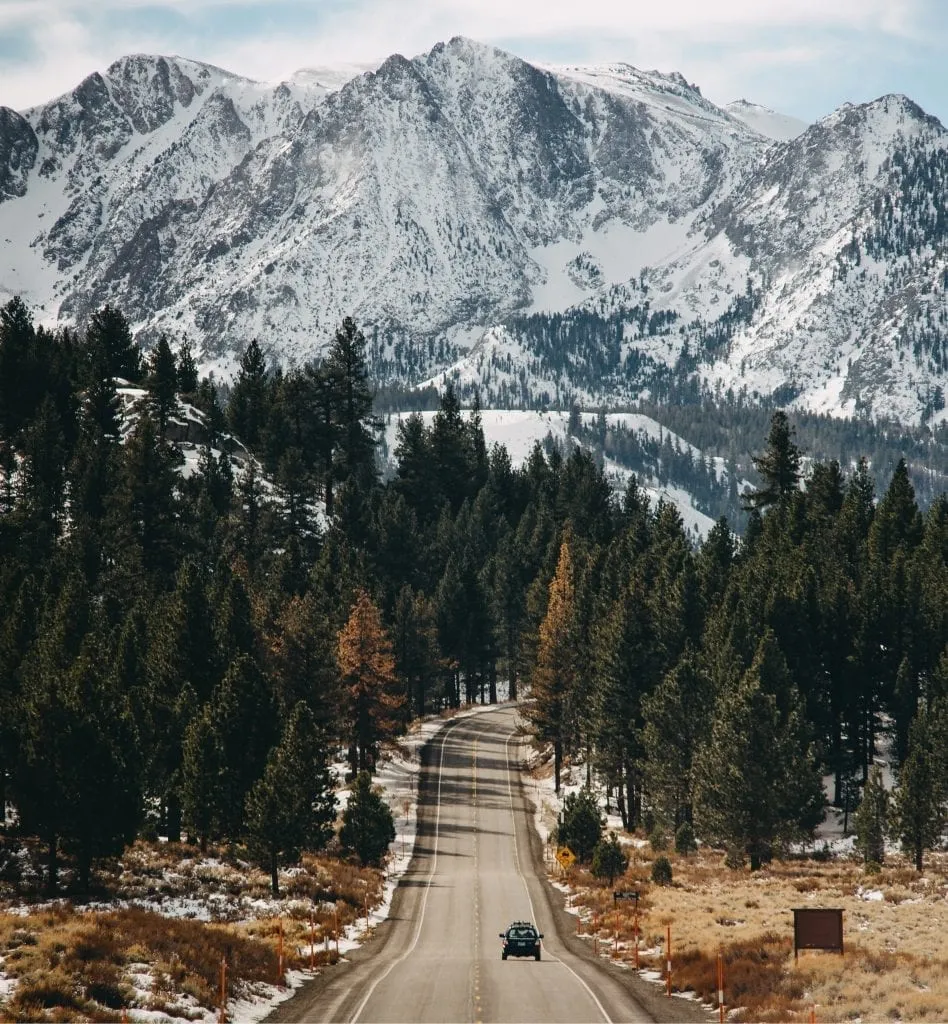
(801, 57)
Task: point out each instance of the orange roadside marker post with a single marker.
(668, 961)
(635, 933)
(223, 1015)
(280, 978)
(721, 987)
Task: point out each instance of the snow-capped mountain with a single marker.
(443, 199)
(779, 127)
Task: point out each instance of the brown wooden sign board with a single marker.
(817, 929)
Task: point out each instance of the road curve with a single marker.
(437, 958)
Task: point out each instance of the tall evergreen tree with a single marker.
(757, 782)
(779, 466)
(872, 818)
(109, 334)
(354, 426)
(919, 811)
(248, 408)
(367, 823)
(367, 669)
(292, 807)
(556, 669)
(162, 382)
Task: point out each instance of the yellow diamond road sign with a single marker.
(566, 857)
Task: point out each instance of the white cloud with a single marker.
(753, 35)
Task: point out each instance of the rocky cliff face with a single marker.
(441, 197)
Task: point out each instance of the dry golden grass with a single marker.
(72, 964)
(895, 965)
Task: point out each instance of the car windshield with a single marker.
(521, 933)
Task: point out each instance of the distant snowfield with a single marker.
(779, 127)
(519, 430)
(618, 251)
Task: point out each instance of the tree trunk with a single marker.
(755, 858)
(327, 487)
(492, 683)
(630, 797)
(837, 758)
(620, 800)
(84, 866)
(274, 873)
(52, 867)
(174, 818)
(919, 852)
(557, 764)
(512, 682)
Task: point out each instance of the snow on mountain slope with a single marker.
(418, 197)
(520, 430)
(440, 199)
(780, 127)
(833, 321)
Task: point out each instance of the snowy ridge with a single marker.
(780, 127)
(436, 198)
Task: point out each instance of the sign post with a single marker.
(619, 895)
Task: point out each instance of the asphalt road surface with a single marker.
(437, 958)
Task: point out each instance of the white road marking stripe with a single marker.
(424, 903)
(533, 914)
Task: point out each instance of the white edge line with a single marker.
(424, 904)
(533, 912)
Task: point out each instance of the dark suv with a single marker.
(521, 939)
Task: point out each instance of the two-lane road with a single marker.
(438, 956)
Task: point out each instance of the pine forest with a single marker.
(185, 642)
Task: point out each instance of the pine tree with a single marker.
(556, 668)
(580, 824)
(144, 513)
(244, 720)
(202, 794)
(302, 662)
(373, 696)
(415, 648)
(187, 369)
(367, 823)
(609, 860)
(779, 466)
(872, 819)
(292, 807)
(110, 335)
(77, 782)
(162, 382)
(354, 427)
(248, 408)
(757, 782)
(676, 720)
(17, 339)
(919, 811)
(897, 521)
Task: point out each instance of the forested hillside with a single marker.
(176, 634)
